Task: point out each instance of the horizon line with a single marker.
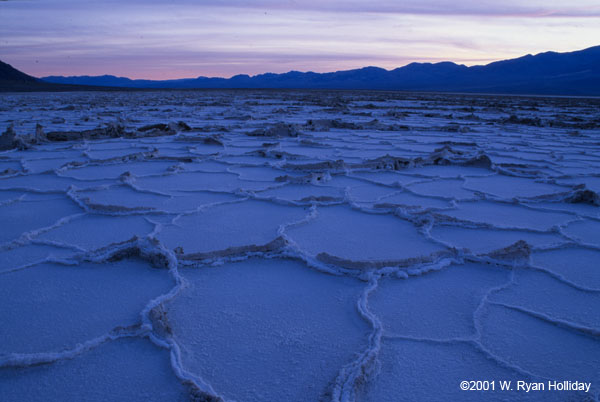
(308, 71)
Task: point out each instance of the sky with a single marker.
(184, 38)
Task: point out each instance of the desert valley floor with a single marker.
(297, 246)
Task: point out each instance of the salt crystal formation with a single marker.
(297, 246)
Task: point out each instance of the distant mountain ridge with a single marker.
(549, 73)
(13, 80)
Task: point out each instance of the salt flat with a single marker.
(297, 246)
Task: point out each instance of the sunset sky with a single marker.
(185, 38)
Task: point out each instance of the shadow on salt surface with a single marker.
(544, 295)
(481, 240)
(122, 370)
(508, 216)
(50, 307)
(166, 150)
(308, 152)
(361, 238)
(47, 182)
(412, 201)
(38, 160)
(260, 173)
(412, 149)
(580, 209)
(387, 177)
(45, 151)
(29, 254)
(369, 193)
(116, 144)
(123, 198)
(117, 153)
(577, 265)
(198, 181)
(511, 187)
(426, 371)
(449, 171)
(588, 232)
(46, 165)
(91, 232)
(214, 230)
(243, 160)
(207, 166)
(113, 171)
(267, 330)
(445, 188)
(8, 197)
(342, 182)
(438, 305)
(34, 212)
(9, 167)
(570, 168)
(591, 182)
(203, 150)
(302, 193)
(540, 347)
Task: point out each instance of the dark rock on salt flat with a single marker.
(584, 197)
(117, 131)
(276, 130)
(7, 139)
(159, 127)
(112, 131)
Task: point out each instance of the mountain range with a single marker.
(549, 73)
(13, 80)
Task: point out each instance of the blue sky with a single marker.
(185, 38)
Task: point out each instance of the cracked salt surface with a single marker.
(439, 365)
(52, 307)
(483, 240)
(297, 246)
(223, 229)
(354, 239)
(533, 343)
(121, 370)
(446, 299)
(267, 329)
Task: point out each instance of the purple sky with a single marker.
(185, 38)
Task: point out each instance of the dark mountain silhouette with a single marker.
(9, 73)
(550, 73)
(12, 79)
